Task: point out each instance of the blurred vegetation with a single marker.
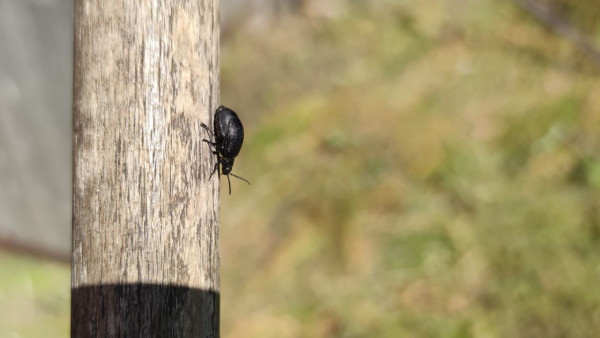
(34, 298)
(419, 169)
(584, 13)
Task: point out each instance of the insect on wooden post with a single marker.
(145, 259)
(229, 136)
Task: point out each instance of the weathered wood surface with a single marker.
(145, 216)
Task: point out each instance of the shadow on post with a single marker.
(144, 310)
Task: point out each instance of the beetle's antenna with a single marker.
(241, 178)
(228, 181)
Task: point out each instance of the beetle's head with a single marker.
(221, 108)
(227, 165)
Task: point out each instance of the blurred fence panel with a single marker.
(35, 123)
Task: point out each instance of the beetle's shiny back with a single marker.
(229, 132)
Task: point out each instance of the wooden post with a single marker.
(145, 216)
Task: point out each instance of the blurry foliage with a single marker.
(584, 13)
(425, 169)
(34, 298)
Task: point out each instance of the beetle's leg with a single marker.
(214, 169)
(214, 151)
(207, 129)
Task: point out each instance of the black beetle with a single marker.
(229, 136)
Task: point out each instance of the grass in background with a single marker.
(419, 169)
(34, 297)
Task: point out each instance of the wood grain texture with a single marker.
(145, 215)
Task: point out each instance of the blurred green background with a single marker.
(419, 169)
